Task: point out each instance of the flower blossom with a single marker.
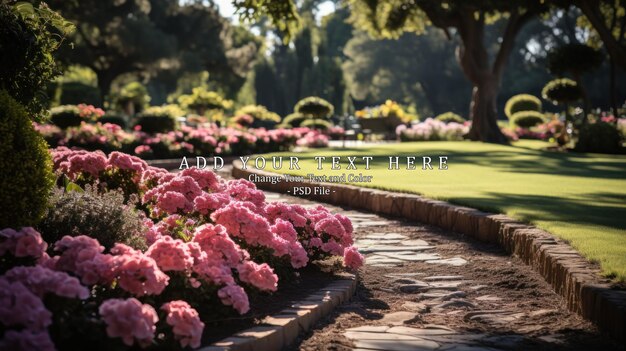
(185, 322)
(129, 320)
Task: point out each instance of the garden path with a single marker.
(424, 288)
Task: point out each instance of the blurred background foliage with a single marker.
(171, 47)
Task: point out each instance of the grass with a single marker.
(579, 197)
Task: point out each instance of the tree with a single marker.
(575, 59)
(28, 37)
(468, 19)
(608, 18)
(113, 37)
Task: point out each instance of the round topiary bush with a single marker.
(448, 117)
(522, 102)
(292, 120)
(65, 116)
(74, 93)
(562, 90)
(315, 107)
(316, 124)
(157, 119)
(599, 137)
(527, 119)
(25, 167)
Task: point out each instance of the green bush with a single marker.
(74, 93)
(65, 116)
(522, 102)
(448, 117)
(28, 37)
(102, 216)
(315, 107)
(25, 167)
(157, 119)
(258, 113)
(316, 124)
(599, 137)
(113, 118)
(132, 98)
(527, 119)
(560, 91)
(200, 100)
(292, 120)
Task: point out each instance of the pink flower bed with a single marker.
(211, 242)
(186, 141)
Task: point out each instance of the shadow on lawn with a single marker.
(595, 208)
(522, 160)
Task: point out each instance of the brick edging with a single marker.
(570, 274)
(282, 329)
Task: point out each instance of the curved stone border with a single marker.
(282, 329)
(569, 273)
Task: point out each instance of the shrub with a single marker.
(258, 113)
(316, 124)
(132, 98)
(28, 37)
(448, 117)
(65, 116)
(292, 120)
(522, 102)
(315, 107)
(25, 167)
(105, 217)
(527, 119)
(560, 91)
(599, 137)
(74, 93)
(158, 119)
(200, 100)
(432, 130)
(113, 118)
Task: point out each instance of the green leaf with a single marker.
(25, 9)
(71, 186)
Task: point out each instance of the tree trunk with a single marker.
(612, 87)
(483, 112)
(105, 79)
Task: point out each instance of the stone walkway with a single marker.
(426, 289)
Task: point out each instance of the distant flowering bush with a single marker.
(210, 242)
(432, 130)
(314, 138)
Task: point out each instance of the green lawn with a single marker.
(578, 197)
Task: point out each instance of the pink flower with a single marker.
(352, 258)
(83, 256)
(296, 214)
(130, 320)
(206, 179)
(244, 190)
(26, 242)
(207, 203)
(41, 280)
(138, 273)
(234, 295)
(241, 221)
(27, 340)
(214, 239)
(20, 307)
(170, 254)
(185, 322)
(127, 162)
(260, 276)
(143, 149)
